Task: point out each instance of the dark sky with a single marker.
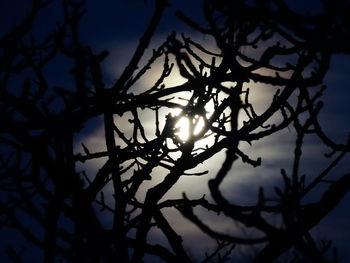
(117, 25)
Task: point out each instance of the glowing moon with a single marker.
(183, 128)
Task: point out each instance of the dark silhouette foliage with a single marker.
(62, 209)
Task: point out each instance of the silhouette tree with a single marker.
(63, 209)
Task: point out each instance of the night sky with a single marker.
(116, 25)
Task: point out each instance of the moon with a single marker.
(183, 128)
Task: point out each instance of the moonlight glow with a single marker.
(183, 127)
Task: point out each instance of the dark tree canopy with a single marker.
(158, 133)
